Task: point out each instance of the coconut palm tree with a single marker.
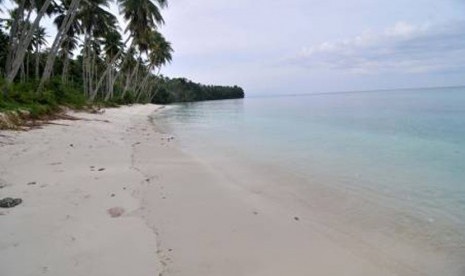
(38, 41)
(113, 43)
(160, 54)
(20, 41)
(142, 16)
(96, 21)
(70, 40)
(67, 21)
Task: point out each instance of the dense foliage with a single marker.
(89, 60)
(183, 90)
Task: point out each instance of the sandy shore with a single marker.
(171, 213)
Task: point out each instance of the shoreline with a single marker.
(179, 215)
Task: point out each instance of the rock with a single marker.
(116, 212)
(296, 218)
(32, 183)
(101, 170)
(9, 202)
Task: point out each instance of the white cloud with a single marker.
(403, 48)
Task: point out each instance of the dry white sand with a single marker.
(178, 215)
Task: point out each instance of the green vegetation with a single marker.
(23, 96)
(183, 90)
(90, 60)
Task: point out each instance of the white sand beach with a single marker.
(172, 214)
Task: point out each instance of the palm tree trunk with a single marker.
(11, 40)
(110, 87)
(24, 44)
(37, 61)
(23, 73)
(84, 80)
(64, 74)
(59, 38)
(131, 78)
(144, 82)
(27, 65)
(110, 65)
(128, 75)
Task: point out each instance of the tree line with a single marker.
(91, 58)
(108, 65)
(183, 90)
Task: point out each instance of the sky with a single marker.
(316, 46)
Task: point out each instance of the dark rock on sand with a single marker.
(9, 202)
(115, 212)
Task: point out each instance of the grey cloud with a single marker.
(402, 48)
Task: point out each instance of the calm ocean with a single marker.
(397, 157)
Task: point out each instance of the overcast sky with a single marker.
(312, 46)
(307, 46)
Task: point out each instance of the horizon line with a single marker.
(352, 91)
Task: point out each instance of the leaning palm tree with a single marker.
(112, 44)
(160, 54)
(142, 16)
(19, 42)
(96, 21)
(70, 40)
(66, 52)
(67, 21)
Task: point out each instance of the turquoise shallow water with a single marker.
(406, 148)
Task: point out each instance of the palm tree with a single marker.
(3, 49)
(70, 40)
(113, 43)
(160, 51)
(142, 17)
(96, 21)
(160, 54)
(66, 23)
(18, 48)
(38, 40)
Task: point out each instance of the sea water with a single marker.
(400, 152)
